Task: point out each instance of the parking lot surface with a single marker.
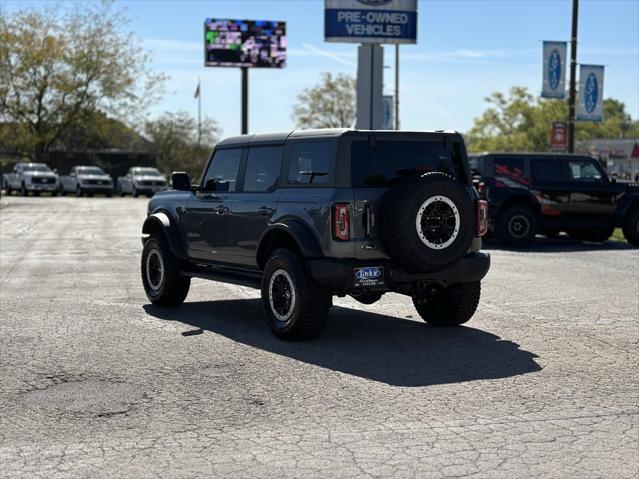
(96, 382)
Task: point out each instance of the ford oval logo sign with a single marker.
(592, 93)
(374, 3)
(554, 69)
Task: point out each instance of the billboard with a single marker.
(370, 21)
(590, 106)
(244, 43)
(554, 58)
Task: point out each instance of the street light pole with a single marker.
(573, 74)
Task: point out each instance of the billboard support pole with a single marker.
(397, 86)
(573, 70)
(199, 114)
(244, 100)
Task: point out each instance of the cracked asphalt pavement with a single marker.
(96, 382)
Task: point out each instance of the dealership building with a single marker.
(621, 156)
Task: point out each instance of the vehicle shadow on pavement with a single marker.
(546, 245)
(395, 351)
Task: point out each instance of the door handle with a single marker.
(222, 210)
(265, 211)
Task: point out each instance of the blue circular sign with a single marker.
(554, 69)
(591, 95)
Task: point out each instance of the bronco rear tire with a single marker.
(427, 222)
(160, 268)
(631, 227)
(449, 306)
(296, 307)
(517, 225)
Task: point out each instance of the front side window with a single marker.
(584, 170)
(263, 168)
(310, 163)
(387, 161)
(223, 170)
(547, 169)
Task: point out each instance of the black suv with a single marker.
(530, 193)
(311, 214)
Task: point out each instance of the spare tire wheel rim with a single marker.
(281, 295)
(438, 222)
(518, 226)
(155, 269)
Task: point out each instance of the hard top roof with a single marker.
(528, 153)
(281, 137)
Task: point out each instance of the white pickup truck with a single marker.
(86, 180)
(30, 178)
(141, 180)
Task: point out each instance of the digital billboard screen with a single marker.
(244, 43)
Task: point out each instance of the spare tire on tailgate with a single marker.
(427, 222)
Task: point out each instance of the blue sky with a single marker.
(465, 51)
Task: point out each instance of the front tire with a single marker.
(160, 268)
(23, 190)
(296, 307)
(517, 225)
(596, 235)
(449, 306)
(631, 227)
(79, 192)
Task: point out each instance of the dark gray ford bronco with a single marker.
(311, 214)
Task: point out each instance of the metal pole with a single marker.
(244, 100)
(573, 70)
(397, 86)
(199, 113)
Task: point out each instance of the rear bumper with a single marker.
(339, 274)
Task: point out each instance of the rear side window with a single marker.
(310, 163)
(390, 160)
(263, 167)
(508, 168)
(223, 169)
(547, 169)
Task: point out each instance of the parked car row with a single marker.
(36, 178)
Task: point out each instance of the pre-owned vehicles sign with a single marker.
(370, 21)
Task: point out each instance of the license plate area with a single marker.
(368, 277)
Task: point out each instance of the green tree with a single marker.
(174, 140)
(60, 66)
(331, 104)
(519, 121)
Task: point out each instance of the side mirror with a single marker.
(213, 185)
(613, 180)
(181, 181)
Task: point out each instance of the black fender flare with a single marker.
(626, 205)
(524, 197)
(162, 222)
(284, 231)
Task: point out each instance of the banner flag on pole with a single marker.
(197, 90)
(591, 87)
(554, 58)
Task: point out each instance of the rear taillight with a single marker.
(482, 217)
(341, 221)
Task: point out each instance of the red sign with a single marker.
(559, 139)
